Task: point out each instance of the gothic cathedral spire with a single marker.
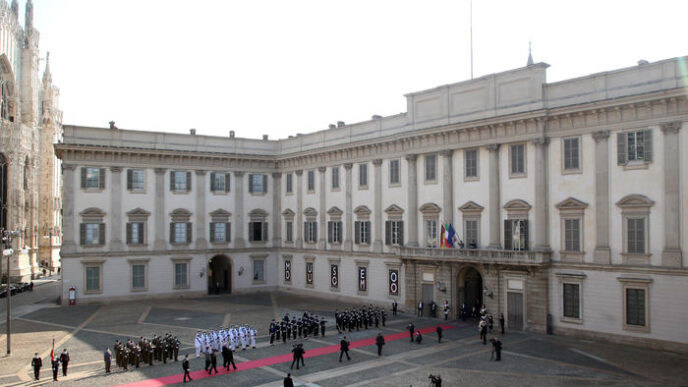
(28, 14)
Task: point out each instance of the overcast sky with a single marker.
(287, 67)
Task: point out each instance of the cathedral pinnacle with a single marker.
(47, 76)
(530, 54)
(15, 8)
(28, 14)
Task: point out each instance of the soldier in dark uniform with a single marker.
(125, 357)
(294, 328)
(37, 363)
(384, 318)
(411, 328)
(344, 349)
(213, 362)
(165, 351)
(272, 331)
(175, 347)
(137, 356)
(439, 333)
(64, 359)
(56, 367)
(185, 367)
(322, 327)
(283, 328)
(379, 341)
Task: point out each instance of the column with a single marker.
(277, 209)
(447, 186)
(68, 229)
(494, 201)
(348, 212)
(602, 252)
(299, 209)
(412, 197)
(671, 255)
(160, 224)
(322, 213)
(541, 195)
(240, 228)
(201, 241)
(377, 244)
(116, 210)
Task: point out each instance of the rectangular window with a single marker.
(135, 179)
(92, 178)
(363, 175)
(394, 232)
(181, 278)
(135, 233)
(635, 227)
(394, 172)
(572, 301)
(92, 234)
(258, 270)
(430, 167)
(470, 158)
(470, 235)
(335, 177)
(309, 273)
(334, 232)
(572, 235)
(181, 181)
(258, 231)
(311, 180)
(289, 231)
(431, 233)
(362, 232)
(635, 307)
(290, 183)
(310, 231)
(179, 233)
(518, 159)
(92, 278)
(571, 152)
(138, 276)
(219, 182)
(257, 183)
(515, 234)
(636, 146)
(219, 232)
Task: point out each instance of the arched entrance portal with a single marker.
(470, 288)
(219, 275)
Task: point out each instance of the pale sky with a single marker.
(287, 67)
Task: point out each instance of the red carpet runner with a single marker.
(247, 365)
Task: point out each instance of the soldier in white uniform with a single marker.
(198, 343)
(253, 333)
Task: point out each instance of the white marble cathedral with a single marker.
(569, 199)
(30, 124)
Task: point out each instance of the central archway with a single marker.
(219, 275)
(470, 288)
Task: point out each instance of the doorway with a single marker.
(514, 311)
(219, 275)
(470, 289)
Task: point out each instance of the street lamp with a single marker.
(8, 252)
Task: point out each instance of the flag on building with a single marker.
(442, 237)
(451, 236)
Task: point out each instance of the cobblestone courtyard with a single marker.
(461, 359)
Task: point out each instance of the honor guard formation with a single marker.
(290, 329)
(134, 353)
(238, 336)
(360, 318)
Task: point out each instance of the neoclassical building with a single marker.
(30, 124)
(569, 199)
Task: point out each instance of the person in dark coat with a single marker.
(230, 358)
(213, 362)
(439, 331)
(379, 341)
(288, 382)
(344, 348)
(56, 367)
(295, 357)
(64, 359)
(185, 367)
(419, 337)
(411, 328)
(208, 357)
(36, 363)
(496, 349)
(394, 307)
(107, 358)
(501, 322)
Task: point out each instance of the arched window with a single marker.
(4, 99)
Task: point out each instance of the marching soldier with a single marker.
(175, 347)
(37, 363)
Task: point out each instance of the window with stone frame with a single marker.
(258, 266)
(93, 278)
(138, 274)
(571, 214)
(635, 214)
(634, 147)
(471, 214)
(137, 220)
(394, 226)
(92, 227)
(288, 215)
(470, 161)
(362, 225)
(430, 168)
(258, 226)
(181, 273)
(571, 154)
(363, 176)
(394, 172)
(516, 225)
(570, 295)
(289, 183)
(136, 180)
(334, 226)
(180, 181)
(335, 178)
(431, 213)
(636, 303)
(220, 226)
(310, 177)
(310, 225)
(517, 160)
(571, 301)
(257, 183)
(181, 229)
(92, 178)
(220, 182)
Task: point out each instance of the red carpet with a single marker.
(247, 365)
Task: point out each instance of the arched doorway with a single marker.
(470, 288)
(219, 275)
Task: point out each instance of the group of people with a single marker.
(133, 353)
(55, 362)
(236, 336)
(302, 327)
(360, 318)
(433, 309)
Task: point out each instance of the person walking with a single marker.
(36, 363)
(185, 367)
(295, 357)
(439, 331)
(379, 341)
(56, 367)
(501, 322)
(344, 348)
(213, 362)
(107, 358)
(64, 359)
(208, 357)
(496, 348)
(420, 309)
(482, 328)
(411, 329)
(288, 382)
(446, 310)
(394, 307)
(419, 337)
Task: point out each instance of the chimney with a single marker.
(332, 126)
(340, 124)
(643, 62)
(231, 134)
(265, 137)
(376, 117)
(192, 131)
(112, 125)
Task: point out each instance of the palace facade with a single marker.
(30, 125)
(569, 198)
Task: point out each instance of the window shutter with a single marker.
(647, 135)
(507, 234)
(525, 234)
(128, 233)
(172, 233)
(171, 180)
(265, 183)
(83, 177)
(315, 231)
(401, 233)
(228, 232)
(101, 234)
(357, 232)
(189, 229)
(101, 178)
(250, 183)
(329, 232)
(141, 225)
(621, 148)
(250, 231)
(388, 232)
(129, 179)
(265, 231)
(212, 182)
(227, 180)
(82, 234)
(339, 239)
(188, 181)
(212, 232)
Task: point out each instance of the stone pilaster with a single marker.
(412, 197)
(348, 213)
(116, 210)
(494, 197)
(377, 244)
(160, 224)
(276, 209)
(602, 252)
(299, 209)
(541, 195)
(322, 212)
(240, 228)
(201, 221)
(447, 187)
(68, 227)
(671, 255)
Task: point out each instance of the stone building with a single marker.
(569, 199)
(30, 192)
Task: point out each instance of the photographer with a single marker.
(435, 380)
